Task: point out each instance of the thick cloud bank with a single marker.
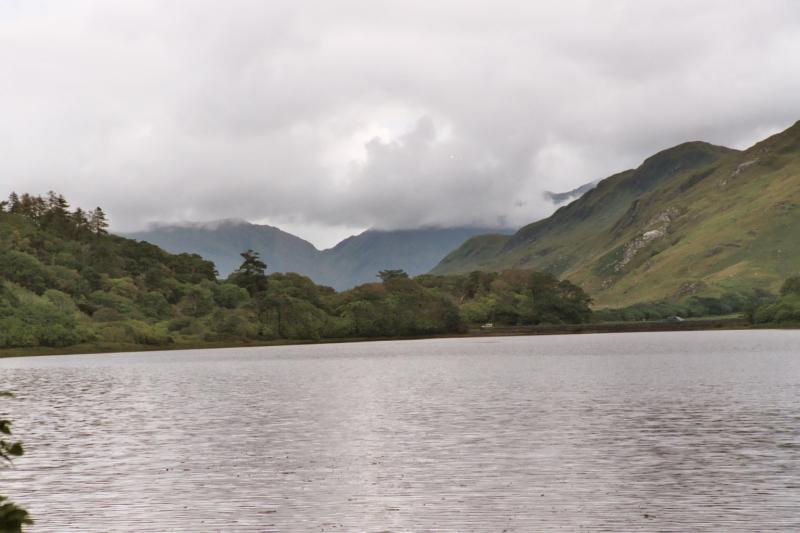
(391, 114)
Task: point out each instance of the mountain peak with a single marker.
(669, 162)
(785, 141)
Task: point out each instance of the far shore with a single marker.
(726, 323)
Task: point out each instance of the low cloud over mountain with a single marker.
(351, 115)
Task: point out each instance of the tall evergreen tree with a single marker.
(98, 224)
(251, 275)
(13, 203)
(79, 219)
(57, 215)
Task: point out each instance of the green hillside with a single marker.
(693, 219)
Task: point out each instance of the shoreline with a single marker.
(499, 331)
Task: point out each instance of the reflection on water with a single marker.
(694, 431)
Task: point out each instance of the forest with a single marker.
(66, 281)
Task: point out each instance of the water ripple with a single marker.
(647, 432)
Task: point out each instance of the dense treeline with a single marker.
(64, 281)
(513, 297)
(744, 301)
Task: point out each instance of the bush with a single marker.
(24, 269)
(229, 296)
(785, 309)
(791, 286)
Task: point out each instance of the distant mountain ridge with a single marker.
(222, 241)
(692, 219)
(559, 198)
(353, 261)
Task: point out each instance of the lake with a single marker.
(679, 431)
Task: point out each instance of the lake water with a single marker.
(692, 431)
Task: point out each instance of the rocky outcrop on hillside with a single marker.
(656, 228)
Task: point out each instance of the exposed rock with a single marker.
(664, 218)
(739, 169)
(634, 246)
(743, 166)
(658, 228)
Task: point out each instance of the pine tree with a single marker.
(98, 224)
(13, 203)
(57, 205)
(251, 275)
(57, 215)
(79, 219)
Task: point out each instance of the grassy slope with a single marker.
(480, 251)
(732, 226)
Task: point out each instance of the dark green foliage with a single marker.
(12, 517)
(228, 295)
(399, 306)
(745, 301)
(196, 301)
(8, 449)
(97, 223)
(24, 269)
(791, 286)
(785, 309)
(389, 275)
(251, 275)
(38, 321)
(514, 297)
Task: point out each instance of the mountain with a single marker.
(222, 241)
(353, 261)
(359, 258)
(559, 198)
(693, 219)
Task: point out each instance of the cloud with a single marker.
(386, 114)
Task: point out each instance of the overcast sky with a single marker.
(327, 117)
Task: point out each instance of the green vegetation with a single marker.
(694, 220)
(785, 309)
(513, 297)
(12, 517)
(729, 303)
(66, 282)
